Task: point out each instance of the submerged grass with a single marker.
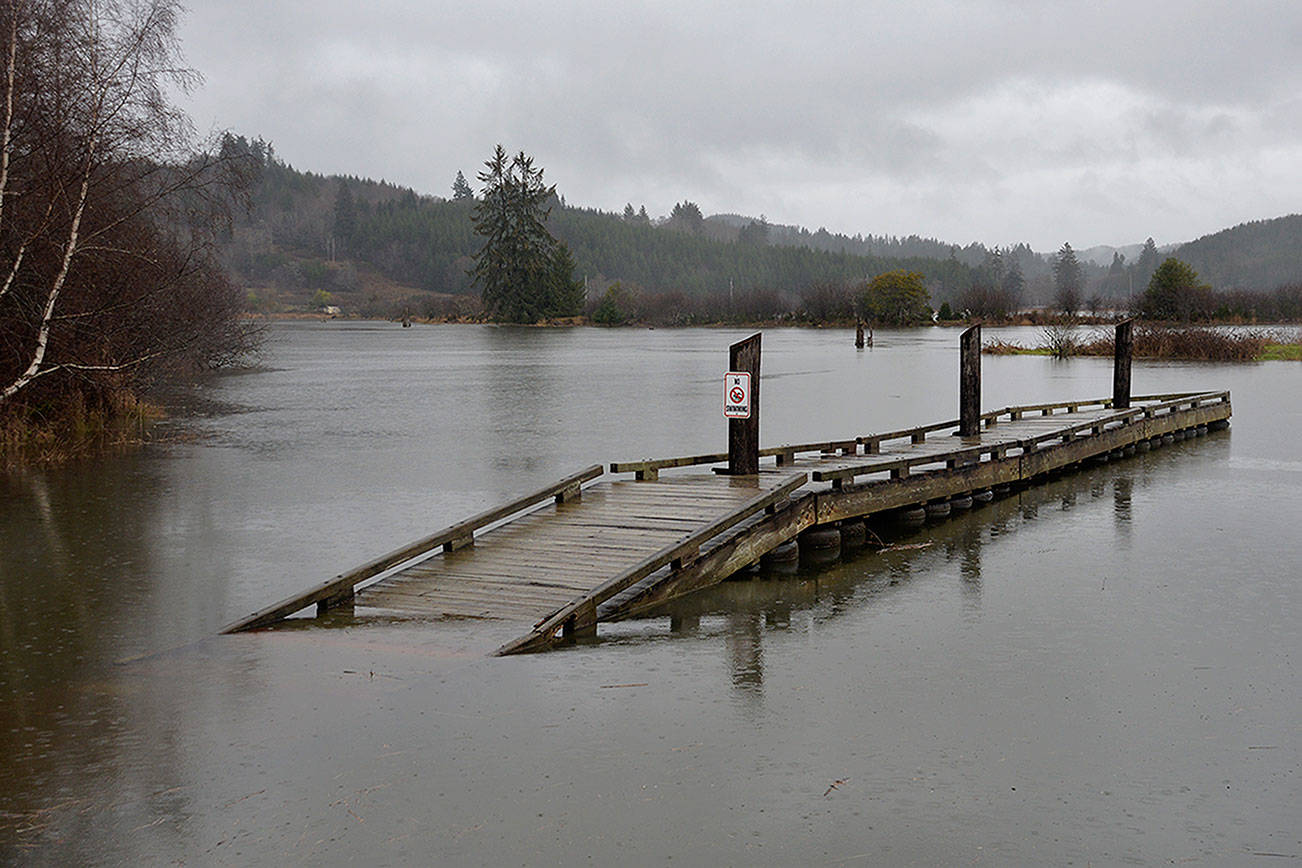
(51, 436)
(1193, 343)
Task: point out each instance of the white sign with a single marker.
(736, 395)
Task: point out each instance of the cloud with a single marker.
(998, 120)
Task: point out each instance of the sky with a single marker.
(999, 121)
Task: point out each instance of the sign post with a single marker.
(741, 406)
(969, 383)
(1123, 347)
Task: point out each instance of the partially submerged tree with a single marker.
(524, 273)
(895, 298)
(106, 276)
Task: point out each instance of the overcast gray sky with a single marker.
(994, 120)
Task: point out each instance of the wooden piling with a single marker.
(858, 334)
(743, 434)
(1123, 349)
(969, 383)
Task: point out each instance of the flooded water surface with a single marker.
(1099, 670)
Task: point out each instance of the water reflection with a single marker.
(1030, 671)
(860, 581)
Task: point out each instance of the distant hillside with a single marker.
(1261, 255)
(374, 247)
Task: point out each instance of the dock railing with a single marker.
(342, 587)
(997, 450)
(785, 455)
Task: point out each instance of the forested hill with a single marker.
(373, 244)
(375, 247)
(1261, 255)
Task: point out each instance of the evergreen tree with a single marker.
(629, 214)
(461, 191)
(345, 228)
(687, 217)
(1013, 282)
(565, 294)
(1116, 284)
(1146, 264)
(524, 273)
(1067, 280)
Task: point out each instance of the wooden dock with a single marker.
(592, 548)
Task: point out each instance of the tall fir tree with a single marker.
(523, 272)
(461, 191)
(1068, 282)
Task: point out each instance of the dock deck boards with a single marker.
(549, 556)
(621, 546)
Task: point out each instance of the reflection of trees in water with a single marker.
(81, 585)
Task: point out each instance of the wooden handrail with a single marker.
(648, 465)
(682, 551)
(648, 468)
(905, 462)
(837, 476)
(451, 537)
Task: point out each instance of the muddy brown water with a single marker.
(1100, 670)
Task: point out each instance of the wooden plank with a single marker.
(969, 386)
(721, 562)
(543, 633)
(743, 434)
(347, 581)
(541, 599)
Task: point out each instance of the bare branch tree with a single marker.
(105, 212)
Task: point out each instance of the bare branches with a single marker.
(105, 267)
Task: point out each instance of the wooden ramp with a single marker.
(549, 557)
(547, 562)
(585, 549)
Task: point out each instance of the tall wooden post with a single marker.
(969, 383)
(1123, 348)
(858, 334)
(743, 434)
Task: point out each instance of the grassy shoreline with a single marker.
(32, 437)
(1161, 342)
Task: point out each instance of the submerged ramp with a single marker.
(554, 555)
(584, 549)
(549, 557)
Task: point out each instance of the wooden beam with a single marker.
(1123, 348)
(969, 383)
(743, 434)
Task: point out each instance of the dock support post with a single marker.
(743, 434)
(858, 334)
(1123, 348)
(969, 383)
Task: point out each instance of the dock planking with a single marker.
(591, 548)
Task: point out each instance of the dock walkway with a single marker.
(586, 549)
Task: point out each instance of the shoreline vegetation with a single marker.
(71, 429)
(1160, 342)
(1058, 337)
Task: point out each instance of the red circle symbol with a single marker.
(736, 395)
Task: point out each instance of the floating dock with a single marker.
(593, 548)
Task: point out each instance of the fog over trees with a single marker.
(393, 244)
